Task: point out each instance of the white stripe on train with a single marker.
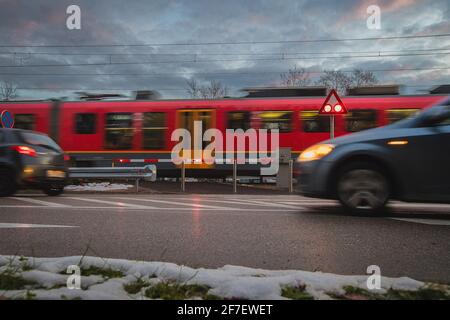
(195, 161)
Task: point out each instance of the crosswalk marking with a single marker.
(40, 202)
(437, 222)
(225, 203)
(197, 205)
(267, 204)
(115, 203)
(28, 225)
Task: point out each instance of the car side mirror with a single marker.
(436, 115)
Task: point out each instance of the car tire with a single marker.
(8, 185)
(363, 188)
(54, 190)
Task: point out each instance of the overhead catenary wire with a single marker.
(155, 88)
(280, 53)
(111, 63)
(214, 72)
(207, 43)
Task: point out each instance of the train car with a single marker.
(125, 133)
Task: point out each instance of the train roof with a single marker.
(375, 96)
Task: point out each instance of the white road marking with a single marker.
(294, 202)
(231, 201)
(158, 209)
(28, 225)
(437, 222)
(424, 206)
(44, 203)
(195, 205)
(267, 204)
(118, 204)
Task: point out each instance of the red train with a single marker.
(100, 133)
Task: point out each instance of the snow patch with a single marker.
(98, 186)
(232, 282)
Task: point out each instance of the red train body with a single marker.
(99, 133)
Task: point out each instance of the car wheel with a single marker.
(8, 185)
(54, 190)
(363, 188)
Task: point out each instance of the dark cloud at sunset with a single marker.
(35, 33)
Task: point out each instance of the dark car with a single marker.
(30, 159)
(408, 160)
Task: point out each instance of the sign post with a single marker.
(7, 119)
(332, 126)
(332, 106)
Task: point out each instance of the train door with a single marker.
(204, 119)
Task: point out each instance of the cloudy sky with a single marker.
(160, 44)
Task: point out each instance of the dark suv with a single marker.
(30, 159)
(408, 160)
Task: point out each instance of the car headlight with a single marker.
(315, 152)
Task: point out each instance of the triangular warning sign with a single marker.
(333, 105)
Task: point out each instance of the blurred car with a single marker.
(30, 159)
(408, 160)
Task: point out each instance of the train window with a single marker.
(362, 119)
(313, 122)
(281, 120)
(154, 130)
(119, 131)
(238, 120)
(394, 115)
(85, 123)
(24, 121)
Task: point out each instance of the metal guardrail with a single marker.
(290, 163)
(147, 173)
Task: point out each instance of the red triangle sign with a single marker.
(333, 105)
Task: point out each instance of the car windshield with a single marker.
(39, 140)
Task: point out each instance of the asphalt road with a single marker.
(271, 232)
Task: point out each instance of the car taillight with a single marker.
(26, 151)
(66, 157)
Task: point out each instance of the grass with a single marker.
(175, 291)
(135, 286)
(104, 272)
(421, 294)
(30, 295)
(426, 293)
(64, 297)
(10, 281)
(296, 293)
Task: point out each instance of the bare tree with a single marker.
(360, 78)
(193, 88)
(296, 77)
(341, 82)
(337, 80)
(7, 90)
(214, 90)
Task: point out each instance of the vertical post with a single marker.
(234, 175)
(291, 172)
(137, 185)
(332, 126)
(183, 177)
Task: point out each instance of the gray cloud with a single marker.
(160, 21)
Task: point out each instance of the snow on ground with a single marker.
(98, 186)
(233, 282)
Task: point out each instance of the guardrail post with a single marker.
(234, 176)
(183, 177)
(291, 173)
